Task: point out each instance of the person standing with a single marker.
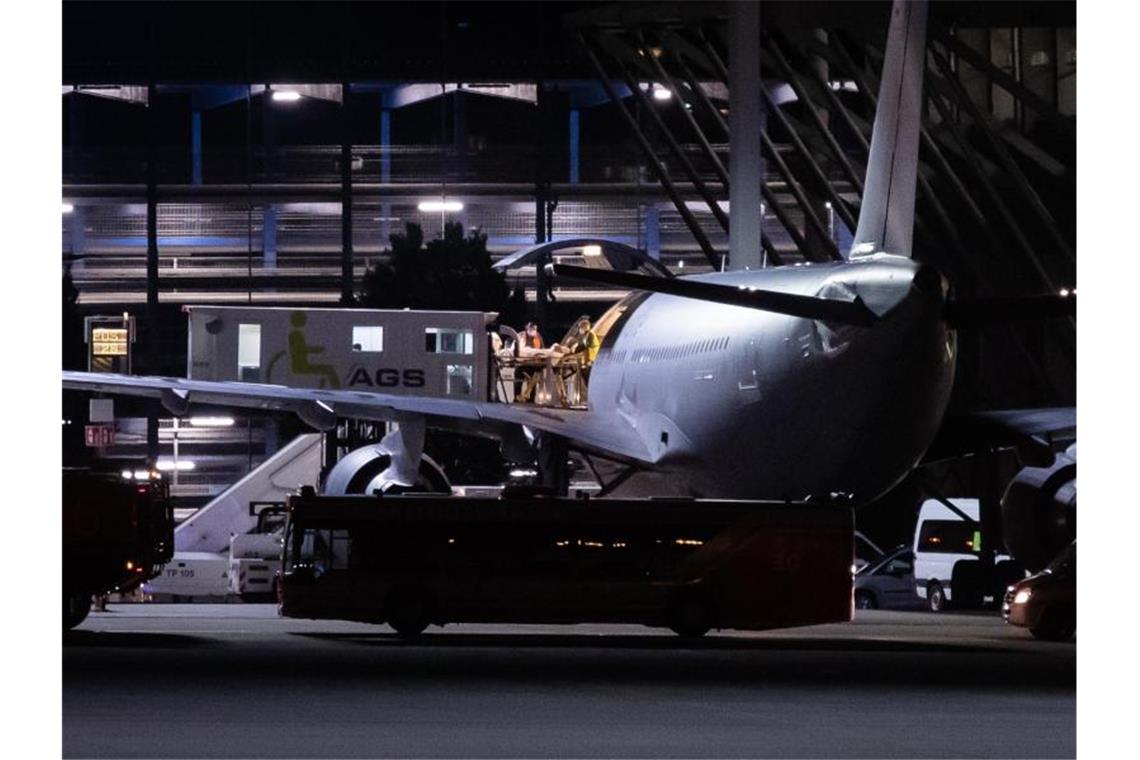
(532, 338)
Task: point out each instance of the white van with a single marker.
(942, 539)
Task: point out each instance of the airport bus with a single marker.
(691, 565)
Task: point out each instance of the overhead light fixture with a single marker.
(68, 208)
(286, 96)
(591, 250)
(181, 465)
(212, 421)
(661, 93)
(440, 206)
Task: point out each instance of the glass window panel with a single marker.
(439, 340)
(249, 352)
(367, 338)
(460, 378)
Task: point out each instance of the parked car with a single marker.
(889, 583)
(866, 551)
(1046, 603)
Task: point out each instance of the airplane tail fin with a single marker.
(886, 218)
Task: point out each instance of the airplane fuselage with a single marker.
(740, 403)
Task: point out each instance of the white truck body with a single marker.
(936, 563)
(192, 574)
(255, 560)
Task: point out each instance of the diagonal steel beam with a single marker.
(650, 156)
(671, 83)
(1043, 107)
(774, 111)
(675, 149)
(807, 250)
(789, 74)
(1016, 176)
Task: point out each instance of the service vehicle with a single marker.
(1046, 603)
(692, 565)
(948, 567)
(118, 530)
(247, 570)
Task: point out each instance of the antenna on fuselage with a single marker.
(886, 217)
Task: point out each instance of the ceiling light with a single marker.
(68, 208)
(181, 465)
(660, 93)
(286, 96)
(211, 421)
(440, 206)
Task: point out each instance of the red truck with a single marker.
(118, 531)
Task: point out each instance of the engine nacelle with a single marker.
(362, 472)
(1039, 511)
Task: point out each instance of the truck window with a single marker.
(460, 378)
(367, 338)
(440, 340)
(249, 352)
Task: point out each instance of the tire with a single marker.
(865, 600)
(75, 609)
(689, 617)
(1055, 625)
(408, 611)
(936, 597)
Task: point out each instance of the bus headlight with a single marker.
(1021, 597)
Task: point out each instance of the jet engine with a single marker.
(364, 471)
(1039, 511)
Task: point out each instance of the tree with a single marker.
(452, 272)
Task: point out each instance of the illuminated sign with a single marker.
(109, 341)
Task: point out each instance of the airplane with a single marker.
(778, 383)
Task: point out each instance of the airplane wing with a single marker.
(1025, 429)
(611, 436)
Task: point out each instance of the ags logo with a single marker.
(387, 378)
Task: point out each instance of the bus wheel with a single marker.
(75, 608)
(407, 611)
(689, 616)
(936, 597)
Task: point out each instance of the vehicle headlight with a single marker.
(1022, 596)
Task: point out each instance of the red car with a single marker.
(1046, 603)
